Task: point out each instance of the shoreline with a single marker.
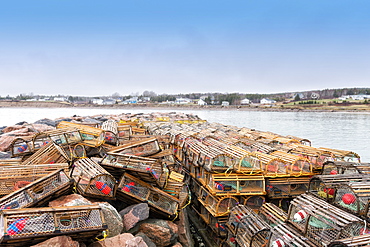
(281, 108)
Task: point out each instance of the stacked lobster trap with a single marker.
(20, 227)
(14, 177)
(350, 192)
(345, 167)
(322, 222)
(38, 192)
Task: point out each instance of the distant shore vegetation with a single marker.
(350, 98)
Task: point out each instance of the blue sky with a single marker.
(103, 47)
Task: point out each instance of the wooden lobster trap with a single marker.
(145, 147)
(48, 154)
(296, 165)
(177, 188)
(248, 228)
(216, 205)
(111, 132)
(36, 193)
(286, 187)
(23, 227)
(124, 133)
(325, 186)
(362, 240)
(272, 166)
(272, 214)
(343, 167)
(342, 155)
(21, 146)
(253, 202)
(247, 164)
(147, 169)
(285, 235)
(322, 222)
(303, 141)
(235, 184)
(62, 137)
(93, 180)
(354, 197)
(91, 136)
(13, 178)
(317, 157)
(216, 161)
(133, 190)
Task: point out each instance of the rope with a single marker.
(104, 236)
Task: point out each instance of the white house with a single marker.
(97, 101)
(201, 102)
(265, 101)
(225, 103)
(355, 97)
(245, 102)
(60, 99)
(109, 102)
(182, 101)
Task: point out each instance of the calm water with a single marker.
(347, 131)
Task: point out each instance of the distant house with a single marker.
(201, 102)
(245, 102)
(97, 101)
(60, 99)
(266, 101)
(225, 103)
(182, 101)
(355, 97)
(109, 102)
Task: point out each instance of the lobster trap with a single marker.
(325, 186)
(235, 184)
(20, 227)
(317, 157)
(38, 192)
(216, 205)
(296, 165)
(248, 228)
(133, 190)
(177, 188)
(272, 214)
(111, 132)
(253, 202)
(286, 187)
(285, 235)
(343, 167)
(48, 154)
(354, 197)
(62, 137)
(149, 170)
(272, 166)
(342, 155)
(144, 148)
(93, 180)
(322, 222)
(91, 136)
(12, 178)
(21, 146)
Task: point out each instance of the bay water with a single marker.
(339, 130)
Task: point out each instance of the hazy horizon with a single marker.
(96, 48)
